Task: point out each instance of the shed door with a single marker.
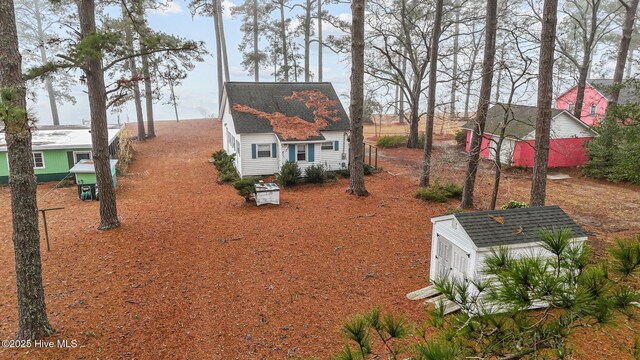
(444, 256)
(452, 260)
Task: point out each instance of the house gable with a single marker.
(566, 126)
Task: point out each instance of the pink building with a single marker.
(566, 148)
(596, 100)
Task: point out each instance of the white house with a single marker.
(267, 124)
(461, 242)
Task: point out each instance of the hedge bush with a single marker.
(513, 204)
(224, 164)
(289, 175)
(315, 174)
(245, 187)
(389, 141)
(369, 170)
(394, 141)
(440, 193)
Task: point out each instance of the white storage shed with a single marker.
(460, 242)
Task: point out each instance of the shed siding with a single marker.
(258, 166)
(518, 251)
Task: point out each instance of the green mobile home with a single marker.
(56, 149)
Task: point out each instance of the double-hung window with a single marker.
(38, 160)
(327, 145)
(301, 152)
(264, 150)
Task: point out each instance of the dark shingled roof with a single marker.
(628, 94)
(486, 232)
(270, 98)
(521, 120)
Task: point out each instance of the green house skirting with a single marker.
(41, 178)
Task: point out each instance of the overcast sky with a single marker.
(198, 93)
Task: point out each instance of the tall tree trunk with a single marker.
(256, 43)
(356, 108)
(454, 67)
(585, 66)
(44, 60)
(402, 97)
(128, 35)
(469, 84)
(94, 73)
(499, 77)
(320, 40)
(498, 170)
(627, 31)
(582, 84)
(545, 88)
(414, 121)
(148, 96)
(307, 40)
(173, 100)
(630, 63)
(223, 41)
(483, 104)
(32, 313)
(431, 101)
(148, 92)
(216, 27)
(283, 38)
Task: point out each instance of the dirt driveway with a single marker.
(195, 272)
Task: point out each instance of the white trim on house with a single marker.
(35, 166)
(75, 155)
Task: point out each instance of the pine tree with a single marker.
(356, 108)
(32, 314)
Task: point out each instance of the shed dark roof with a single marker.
(272, 98)
(521, 120)
(485, 231)
(629, 94)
